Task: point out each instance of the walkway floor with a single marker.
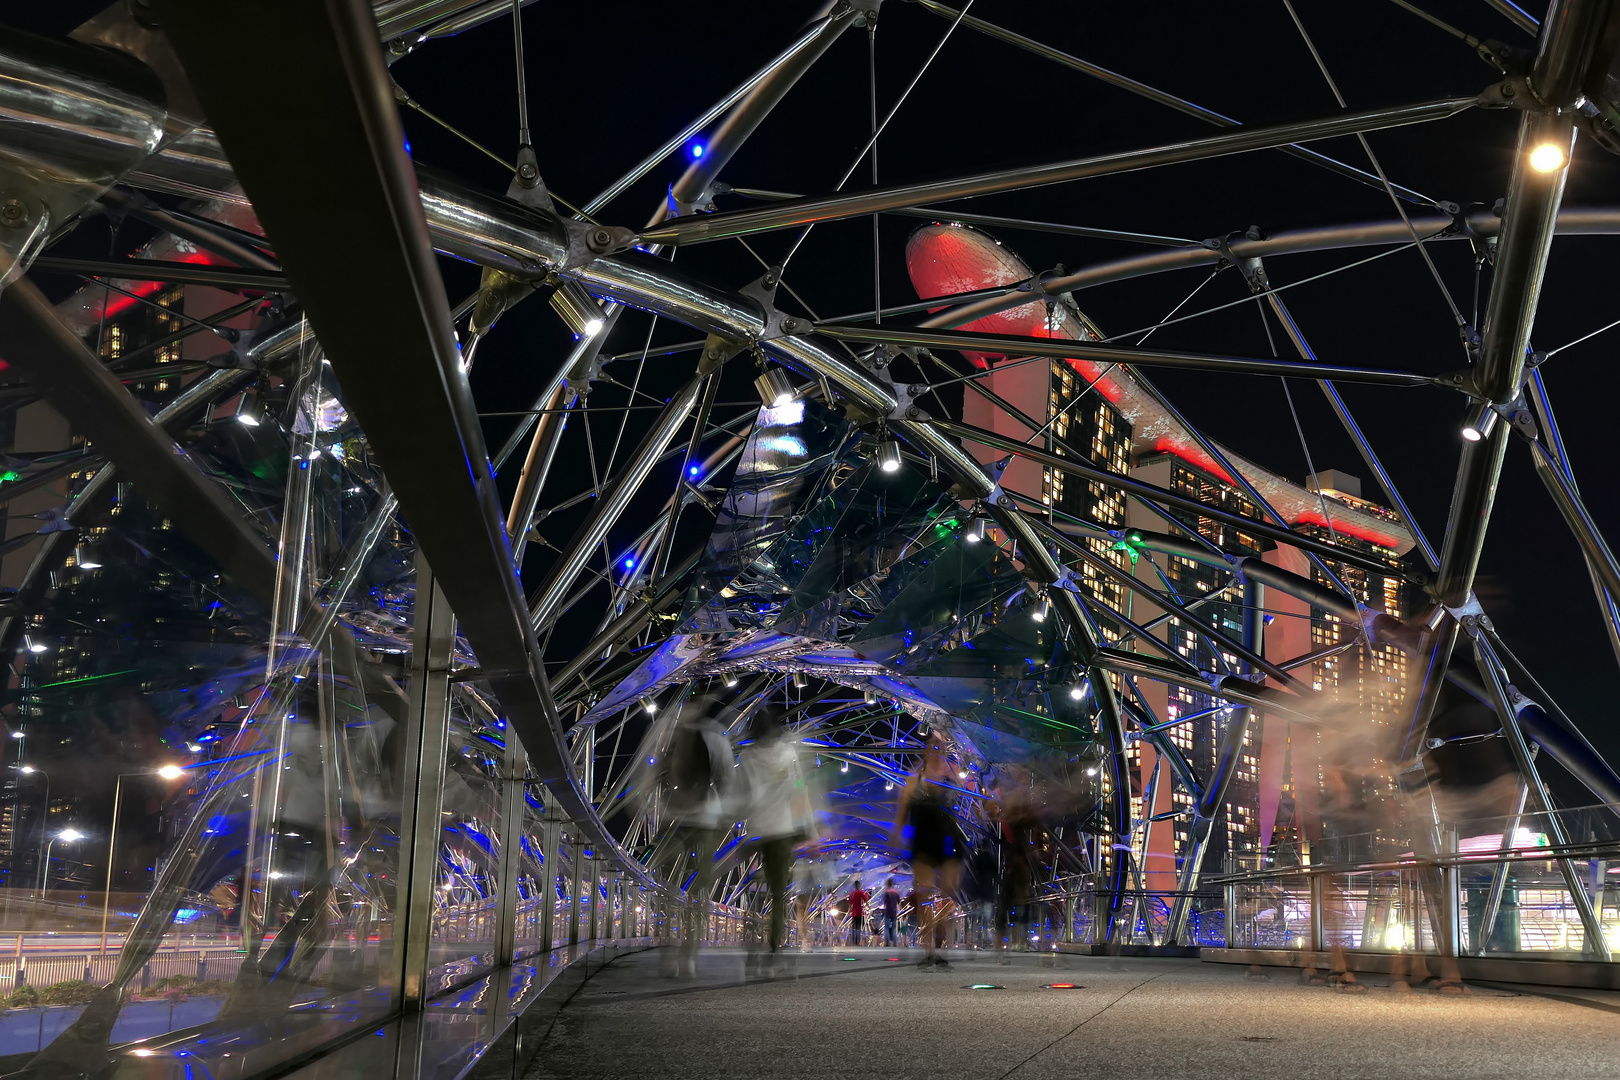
(874, 1018)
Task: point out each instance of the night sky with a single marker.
(609, 82)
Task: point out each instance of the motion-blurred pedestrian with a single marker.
(778, 813)
(935, 842)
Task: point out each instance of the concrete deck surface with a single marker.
(1148, 1017)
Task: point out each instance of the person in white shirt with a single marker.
(779, 815)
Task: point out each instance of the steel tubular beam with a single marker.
(223, 277)
(1181, 105)
(1353, 429)
(1549, 425)
(1153, 494)
(615, 497)
(1580, 523)
(1593, 221)
(1488, 665)
(39, 344)
(1528, 223)
(386, 332)
(1233, 688)
(809, 211)
(1239, 649)
(1016, 345)
(627, 623)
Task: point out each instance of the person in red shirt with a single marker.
(857, 911)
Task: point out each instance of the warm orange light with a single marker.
(1548, 157)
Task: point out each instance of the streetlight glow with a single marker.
(171, 772)
(70, 835)
(1548, 157)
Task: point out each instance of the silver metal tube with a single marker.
(1594, 221)
(1489, 670)
(1354, 431)
(811, 210)
(1017, 345)
(1181, 105)
(425, 736)
(811, 39)
(613, 501)
(1493, 901)
(1568, 500)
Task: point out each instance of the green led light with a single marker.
(983, 986)
(86, 679)
(9, 475)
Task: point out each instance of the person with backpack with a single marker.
(699, 790)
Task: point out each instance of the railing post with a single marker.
(551, 837)
(512, 803)
(1318, 919)
(1230, 901)
(426, 727)
(1451, 889)
(573, 892)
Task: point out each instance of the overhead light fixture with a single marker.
(1479, 422)
(578, 309)
(247, 412)
(85, 557)
(975, 531)
(1077, 691)
(27, 770)
(34, 646)
(731, 678)
(774, 387)
(171, 772)
(650, 705)
(1548, 157)
(799, 680)
(870, 696)
(888, 456)
(70, 835)
(1039, 614)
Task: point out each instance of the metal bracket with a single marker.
(905, 397)
(1470, 616)
(527, 187)
(762, 291)
(587, 243)
(1512, 92)
(716, 351)
(582, 384)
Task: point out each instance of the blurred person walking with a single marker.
(857, 912)
(891, 914)
(778, 815)
(935, 843)
(700, 793)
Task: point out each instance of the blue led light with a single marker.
(407, 146)
(629, 564)
(693, 470)
(696, 150)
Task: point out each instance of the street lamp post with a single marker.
(45, 813)
(68, 835)
(167, 772)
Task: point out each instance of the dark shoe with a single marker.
(926, 964)
(942, 964)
